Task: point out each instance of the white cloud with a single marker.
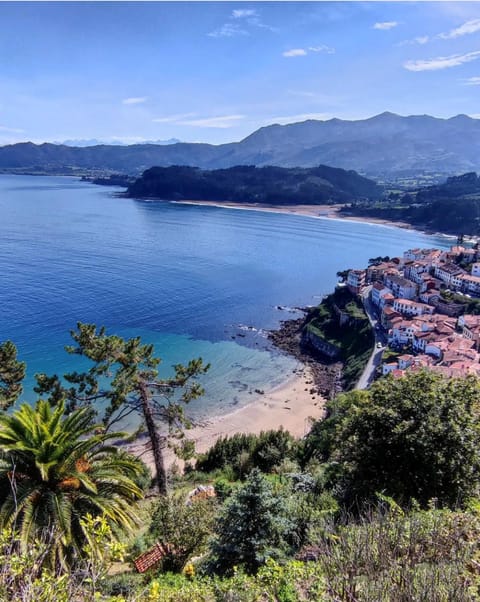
(135, 100)
(441, 62)
(221, 122)
(173, 118)
(247, 20)
(474, 115)
(322, 48)
(467, 28)
(418, 40)
(472, 81)
(385, 25)
(305, 51)
(228, 30)
(242, 13)
(295, 52)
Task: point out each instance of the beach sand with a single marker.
(327, 211)
(290, 405)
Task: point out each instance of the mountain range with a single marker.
(384, 146)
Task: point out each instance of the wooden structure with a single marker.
(152, 557)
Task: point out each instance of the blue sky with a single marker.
(216, 71)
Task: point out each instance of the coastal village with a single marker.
(425, 303)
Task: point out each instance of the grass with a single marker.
(355, 341)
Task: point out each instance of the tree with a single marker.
(414, 437)
(12, 373)
(251, 528)
(54, 471)
(183, 528)
(124, 374)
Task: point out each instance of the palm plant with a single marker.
(56, 469)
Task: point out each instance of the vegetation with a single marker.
(186, 528)
(249, 184)
(452, 207)
(251, 528)
(12, 373)
(124, 374)
(242, 452)
(417, 437)
(332, 322)
(379, 503)
(54, 471)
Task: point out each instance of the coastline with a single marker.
(316, 211)
(290, 405)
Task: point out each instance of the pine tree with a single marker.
(251, 529)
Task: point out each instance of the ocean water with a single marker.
(195, 281)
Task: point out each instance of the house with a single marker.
(405, 361)
(355, 281)
(416, 270)
(403, 332)
(378, 293)
(388, 317)
(446, 271)
(375, 272)
(407, 307)
(470, 284)
(475, 269)
(429, 296)
(400, 286)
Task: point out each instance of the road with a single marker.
(376, 356)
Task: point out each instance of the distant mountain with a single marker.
(94, 142)
(249, 184)
(386, 146)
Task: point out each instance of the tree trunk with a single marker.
(155, 440)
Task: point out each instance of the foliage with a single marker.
(241, 452)
(250, 184)
(415, 437)
(354, 338)
(184, 527)
(12, 373)
(290, 582)
(25, 577)
(452, 207)
(391, 556)
(54, 471)
(124, 374)
(251, 528)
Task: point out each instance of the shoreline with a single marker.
(314, 211)
(290, 405)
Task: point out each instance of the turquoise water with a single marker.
(187, 278)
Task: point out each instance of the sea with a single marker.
(195, 281)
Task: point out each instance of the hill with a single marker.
(452, 207)
(250, 184)
(386, 146)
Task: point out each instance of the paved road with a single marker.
(377, 352)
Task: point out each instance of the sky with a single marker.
(217, 71)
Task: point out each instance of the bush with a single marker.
(242, 452)
(417, 437)
(186, 528)
(124, 584)
(252, 527)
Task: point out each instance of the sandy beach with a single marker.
(291, 406)
(324, 211)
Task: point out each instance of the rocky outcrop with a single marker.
(327, 373)
(324, 347)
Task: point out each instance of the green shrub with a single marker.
(242, 452)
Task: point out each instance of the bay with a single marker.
(190, 279)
